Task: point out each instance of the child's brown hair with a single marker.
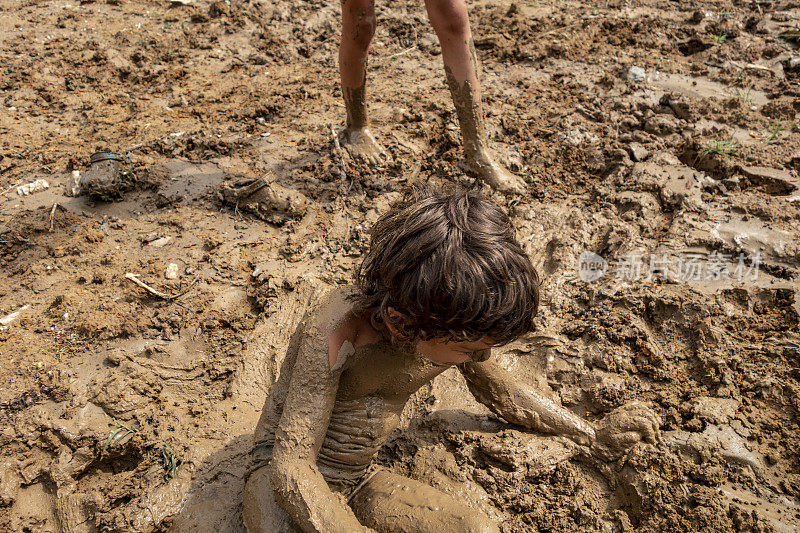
(451, 265)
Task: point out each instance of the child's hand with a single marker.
(624, 427)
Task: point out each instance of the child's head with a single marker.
(447, 267)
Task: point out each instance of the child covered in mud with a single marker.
(451, 23)
(443, 282)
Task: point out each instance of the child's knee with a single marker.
(365, 29)
(359, 22)
(448, 16)
(260, 512)
(477, 522)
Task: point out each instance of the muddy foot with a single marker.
(491, 172)
(362, 146)
(266, 200)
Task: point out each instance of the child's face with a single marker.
(445, 352)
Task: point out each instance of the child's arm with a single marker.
(519, 403)
(299, 487)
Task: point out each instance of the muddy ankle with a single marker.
(493, 173)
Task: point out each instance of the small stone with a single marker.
(172, 271)
(33, 187)
(73, 187)
(697, 17)
(219, 9)
(776, 180)
(160, 243)
(635, 74)
(638, 152)
(660, 125)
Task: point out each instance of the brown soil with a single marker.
(125, 411)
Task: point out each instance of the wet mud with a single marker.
(125, 409)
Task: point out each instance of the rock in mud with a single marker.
(715, 441)
(160, 242)
(33, 187)
(172, 271)
(635, 74)
(638, 152)
(772, 180)
(219, 9)
(73, 185)
(10, 481)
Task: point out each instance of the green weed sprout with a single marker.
(721, 147)
(744, 96)
(776, 128)
(169, 462)
(120, 434)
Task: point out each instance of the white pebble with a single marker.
(172, 271)
(158, 243)
(30, 188)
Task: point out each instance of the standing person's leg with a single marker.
(390, 503)
(451, 23)
(358, 26)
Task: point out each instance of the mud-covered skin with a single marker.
(356, 136)
(395, 504)
(338, 398)
(358, 26)
(494, 387)
(623, 427)
(471, 118)
(299, 487)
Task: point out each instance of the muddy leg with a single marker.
(450, 21)
(260, 512)
(358, 26)
(390, 503)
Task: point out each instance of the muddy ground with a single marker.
(122, 410)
